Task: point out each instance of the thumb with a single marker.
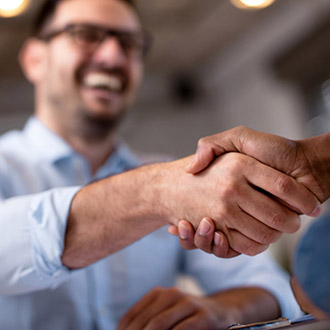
(215, 145)
(204, 155)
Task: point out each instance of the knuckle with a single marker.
(202, 141)
(187, 245)
(157, 322)
(240, 132)
(256, 249)
(252, 248)
(269, 236)
(204, 243)
(220, 252)
(157, 290)
(192, 302)
(174, 292)
(295, 224)
(230, 191)
(278, 221)
(283, 185)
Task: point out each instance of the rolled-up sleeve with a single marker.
(32, 234)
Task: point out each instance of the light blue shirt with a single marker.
(39, 175)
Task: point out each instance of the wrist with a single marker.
(317, 153)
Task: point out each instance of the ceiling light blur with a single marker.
(252, 4)
(10, 8)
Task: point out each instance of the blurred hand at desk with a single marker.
(170, 308)
(164, 308)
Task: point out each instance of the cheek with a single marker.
(137, 74)
(63, 65)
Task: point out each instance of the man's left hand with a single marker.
(164, 308)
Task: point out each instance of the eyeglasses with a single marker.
(89, 37)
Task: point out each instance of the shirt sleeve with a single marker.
(215, 274)
(32, 232)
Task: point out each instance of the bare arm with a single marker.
(110, 214)
(164, 309)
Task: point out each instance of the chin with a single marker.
(104, 112)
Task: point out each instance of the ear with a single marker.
(32, 58)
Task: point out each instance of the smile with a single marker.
(104, 81)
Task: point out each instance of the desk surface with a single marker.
(310, 325)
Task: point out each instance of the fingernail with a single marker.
(216, 239)
(183, 231)
(204, 227)
(317, 211)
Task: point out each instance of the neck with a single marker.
(96, 152)
(95, 140)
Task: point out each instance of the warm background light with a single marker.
(252, 4)
(10, 8)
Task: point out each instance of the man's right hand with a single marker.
(306, 160)
(232, 192)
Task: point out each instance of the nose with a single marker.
(110, 51)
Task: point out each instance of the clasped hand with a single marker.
(262, 195)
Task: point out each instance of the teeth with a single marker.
(102, 80)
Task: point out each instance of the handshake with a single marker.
(267, 182)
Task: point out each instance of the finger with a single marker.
(173, 230)
(283, 187)
(154, 303)
(263, 147)
(186, 235)
(214, 145)
(221, 247)
(250, 224)
(274, 218)
(200, 321)
(171, 316)
(128, 319)
(203, 157)
(242, 244)
(259, 216)
(203, 238)
(210, 241)
(215, 243)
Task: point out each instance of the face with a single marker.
(80, 84)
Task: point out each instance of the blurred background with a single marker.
(215, 64)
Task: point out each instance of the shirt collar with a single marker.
(53, 148)
(49, 145)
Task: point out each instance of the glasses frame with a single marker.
(120, 35)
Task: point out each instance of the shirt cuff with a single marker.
(48, 216)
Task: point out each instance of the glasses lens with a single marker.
(89, 37)
(132, 43)
(86, 36)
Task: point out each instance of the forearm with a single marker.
(317, 153)
(244, 305)
(110, 214)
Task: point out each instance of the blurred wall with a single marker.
(235, 86)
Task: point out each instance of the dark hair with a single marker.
(47, 10)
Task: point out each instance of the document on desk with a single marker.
(273, 324)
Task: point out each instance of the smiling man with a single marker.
(82, 255)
